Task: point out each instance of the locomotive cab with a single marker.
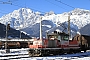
(58, 40)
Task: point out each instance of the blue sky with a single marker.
(43, 5)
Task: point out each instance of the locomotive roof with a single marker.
(59, 33)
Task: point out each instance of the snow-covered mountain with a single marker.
(21, 18)
(27, 20)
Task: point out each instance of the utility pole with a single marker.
(20, 31)
(40, 28)
(69, 26)
(6, 39)
(7, 26)
(6, 44)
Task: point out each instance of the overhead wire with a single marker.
(3, 2)
(30, 8)
(65, 3)
(12, 0)
(25, 7)
(9, 2)
(56, 4)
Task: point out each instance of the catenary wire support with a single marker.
(6, 38)
(69, 26)
(40, 28)
(6, 43)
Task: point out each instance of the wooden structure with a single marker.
(83, 40)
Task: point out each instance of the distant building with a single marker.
(82, 39)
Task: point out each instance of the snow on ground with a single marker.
(54, 58)
(22, 54)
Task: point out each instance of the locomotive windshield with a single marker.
(61, 36)
(66, 38)
(52, 37)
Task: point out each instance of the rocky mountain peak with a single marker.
(25, 18)
(79, 11)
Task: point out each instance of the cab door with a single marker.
(64, 41)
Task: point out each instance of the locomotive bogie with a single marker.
(51, 51)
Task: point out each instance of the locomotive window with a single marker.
(52, 37)
(55, 37)
(31, 42)
(65, 38)
(59, 37)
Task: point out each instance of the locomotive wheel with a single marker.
(30, 54)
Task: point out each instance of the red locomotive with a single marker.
(56, 43)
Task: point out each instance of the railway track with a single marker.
(23, 55)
